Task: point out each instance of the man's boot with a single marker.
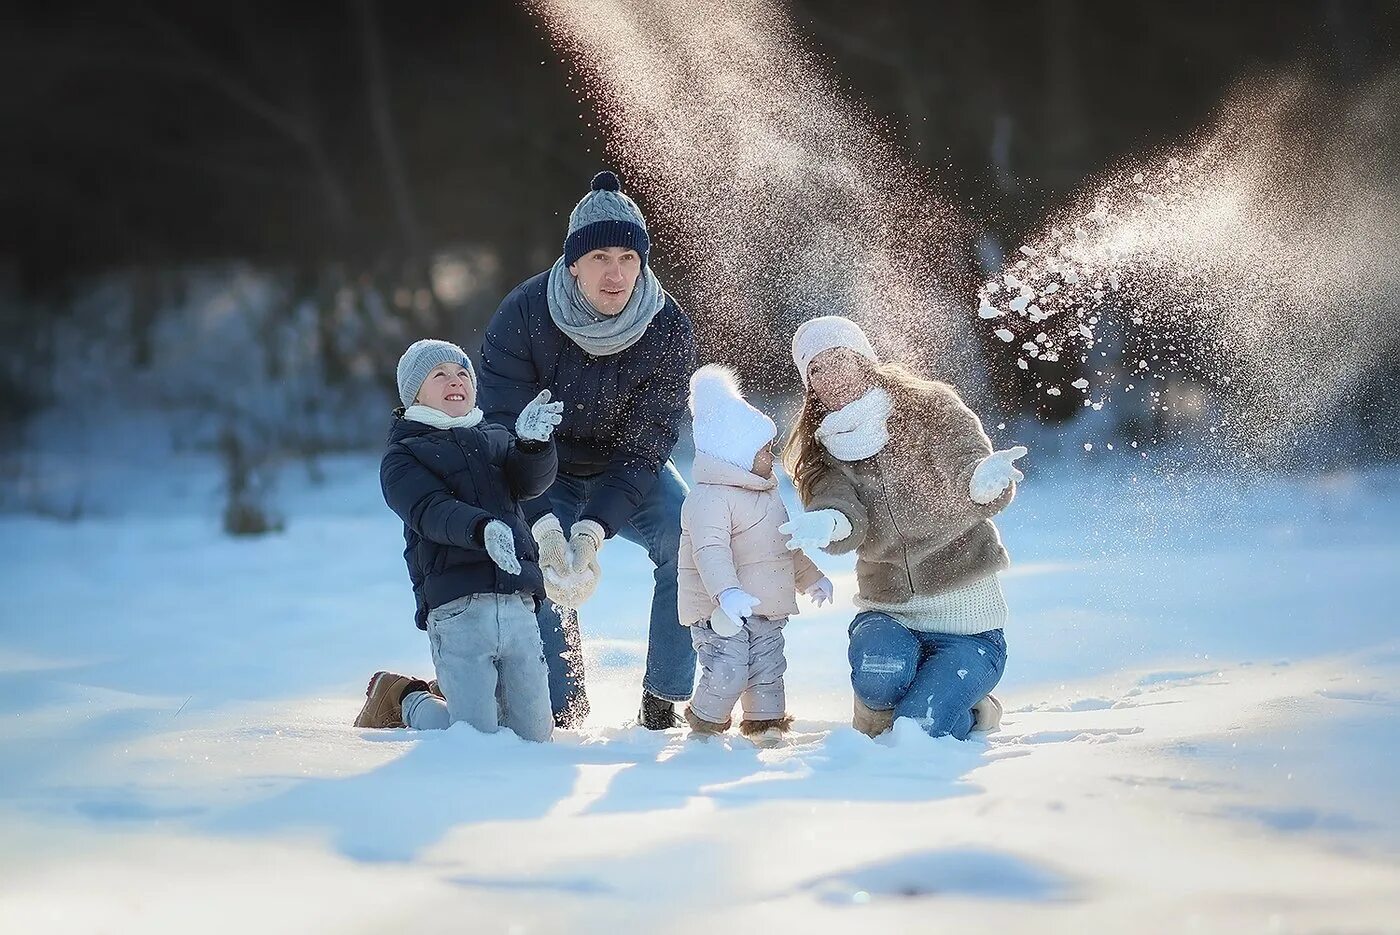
(657, 713)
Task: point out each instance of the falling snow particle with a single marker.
(1005, 335)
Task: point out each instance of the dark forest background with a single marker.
(337, 152)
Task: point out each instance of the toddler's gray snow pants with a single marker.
(748, 666)
(490, 666)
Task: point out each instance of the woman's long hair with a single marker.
(802, 453)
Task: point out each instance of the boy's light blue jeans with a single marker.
(656, 526)
(490, 666)
(934, 678)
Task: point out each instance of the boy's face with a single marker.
(763, 461)
(448, 389)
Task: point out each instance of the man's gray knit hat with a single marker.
(605, 217)
(420, 359)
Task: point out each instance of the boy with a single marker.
(457, 483)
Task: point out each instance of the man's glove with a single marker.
(554, 548)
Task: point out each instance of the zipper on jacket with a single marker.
(903, 541)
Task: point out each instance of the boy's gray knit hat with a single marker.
(420, 359)
(606, 217)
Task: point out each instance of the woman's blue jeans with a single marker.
(934, 678)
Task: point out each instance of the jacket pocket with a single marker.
(444, 613)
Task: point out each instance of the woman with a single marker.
(896, 468)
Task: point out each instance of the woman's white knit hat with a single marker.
(726, 426)
(822, 334)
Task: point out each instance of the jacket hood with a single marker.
(711, 470)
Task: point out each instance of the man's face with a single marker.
(607, 277)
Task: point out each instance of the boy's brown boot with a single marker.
(702, 726)
(384, 699)
(780, 724)
(870, 722)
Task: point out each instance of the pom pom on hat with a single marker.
(606, 181)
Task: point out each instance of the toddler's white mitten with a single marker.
(821, 592)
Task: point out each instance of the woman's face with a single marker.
(448, 389)
(838, 377)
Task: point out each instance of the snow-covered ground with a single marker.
(1201, 734)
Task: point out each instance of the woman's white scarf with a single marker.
(441, 420)
(598, 334)
(859, 429)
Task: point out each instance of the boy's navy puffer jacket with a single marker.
(446, 485)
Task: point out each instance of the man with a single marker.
(599, 332)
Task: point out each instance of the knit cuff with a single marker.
(546, 524)
(610, 233)
(591, 529)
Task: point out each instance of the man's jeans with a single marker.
(656, 526)
(934, 678)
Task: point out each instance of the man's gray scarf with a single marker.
(598, 334)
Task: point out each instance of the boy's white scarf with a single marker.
(441, 420)
(859, 429)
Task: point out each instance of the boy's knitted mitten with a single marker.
(538, 418)
(500, 545)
